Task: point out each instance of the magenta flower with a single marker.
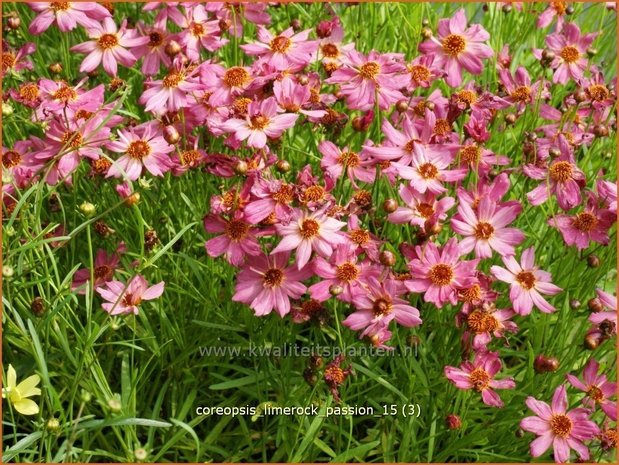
(125, 298)
(109, 45)
(286, 50)
(295, 98)
(591, 224)
(520, 91)
(105, 266)
(570, 49)
(607, 191)
(266, 282)
(557, 427)
(141, 148)
(528, 283)
(153, 51)
(262, 121)
(66, 15)
(225, 84)
(440, 273)
(420, 209)
(307, 232)
(236, 242)
(479, 375)
(198, 32)
(336, 161)
(341, 270)
(555, 9)
(365, 80)
(484, 322)
(171, 93)
(14, 62)
(486, 230)
(599, 390)
(380, 304)
(458, 47)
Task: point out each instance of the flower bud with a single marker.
(426, 32)
(140, 454)
(592, 341)
(310, 376)
(506, 8)
(575, 304)
(295, 24)
(52, 425)
(241, 167)
(390, 205)
(453, 422)
(171, 135)
(173, 48)
(548, 55)
(593, 261)
(85, 397)
(37, 306)
(425, 22)
(554, 152)
(595, 305)
(600, 130)
(114, 405)
(132, 199)
(569, 10)
(544, 364)
(88, 209)
(324, 29)
(7, 271)
(303, 80)
(13, 22)
(510, 118)
(334, 289)
(387, 258)
(7, 110)
(580, 96)
(282, 166)
(401, 106)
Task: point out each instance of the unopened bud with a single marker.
(13, 22)
(390, 205)
(88, 209)
(593, 261)
(387, 258)
(401, 106)
(595, 305)
(173, 48)
(171, 135)
(241, 167)
(282, 166)
(544, 364)
(335, 289)
(453, 422)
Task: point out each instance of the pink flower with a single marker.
(66, 15)
(486, 230)
(198, 32)
(458, 47)
(262, 121)
(58, 97)
(563, 178)
(171, 93)
(307, 232)
(608, 318)
(519, 89)
(266, 282)
(599, 390)
(420, 209)
(105, 266)
(380, 304)
(141, 148)
(440, 273)
(365, 80)
(422, 71)
(607, 191)
(591, 224)
(336, 161)
(341, 270)
(555, 9)
(557, 427)
(237, 239)
(294, 98)
(125, 298)
(286, 50)
(109, 45)
(484, 322)
(527, 283)
(153, 51)
(570, 49)
(14, 62)
(225, 84)
(479, 375)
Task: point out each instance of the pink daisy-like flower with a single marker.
(528, 283)
(225, 83)
(141, 147)
(556, 9)
(440, 273)
(109, 45)
(104, 267)
(599, 390)
(66, 15)
(591, 224)
(380, 304)
(557, 427)
(336, 161)
(486, 230)
(458, 47)
(198, 31)
(307, 232)
(262, 121)
(125, 298)
(237, 239)
(283, 51)
(153, 51)
(520, 90)
(266, 282)
(608, 318)
(365, 80)
(607, 191)
(570, 49)
(479, 376)
(16, 61)
(484, 322)
(422, 71)
(420, 209)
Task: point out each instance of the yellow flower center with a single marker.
(236, 77)
(453, 44)
(349, 159)
(107, 41)
(273, 277)
(561, 425)
(484, 230)
(521, 94)
(570, 54)
(11, 158)
(428, 171)
(470, 154)
(280, 44)
(526, 279)
(381, 307)
(585, 221)
(347, 272)
(480, 379)
(72, 138)
(441, 274)
(173, 80)
(236, 229)
(419, 73)
(330, 51)
(309, 228)
(138, 149)
(369, 70)
(561, 171)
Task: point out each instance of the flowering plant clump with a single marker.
(371, 209)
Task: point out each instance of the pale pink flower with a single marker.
(310, 231)
(483, 322)
(198, 31)
(171, 93)
(66, 15)
(262, 121)
(570, 50)
(153, 52)
(336, 161)
(555, 9)
(125, 298)
(458, 47)
(266, 282)
(420, 209)
(557, 427)
(283, 51)
(14, 62)
(109, 45)
(237, 241)
(520, 91)
(479, 376)
(527, 281)
(440, 273)
(141, 147)
(225, 83)
(599, 390)
(486, 230)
